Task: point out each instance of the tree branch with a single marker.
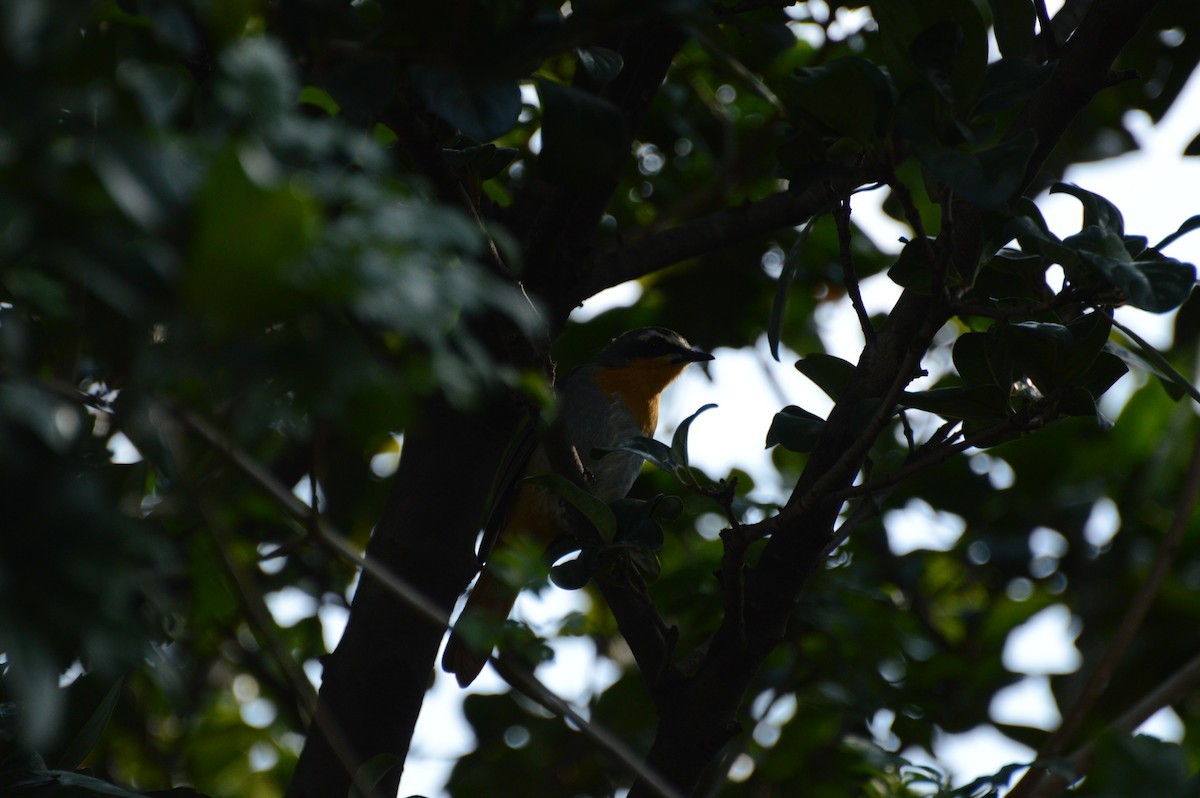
(726, 227)
(1147, 591)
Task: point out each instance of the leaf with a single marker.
(585, 140)
(830, 374)
(1008, 82)
(1193, 147)
(575, 573)
(989, 178)
(636, 523)
(600, 64)
(654, 452)
(934, 52)
(912, 269)
(1193, 223)
(594, 510)
(1097, 211)
(795, 429)
(790, 264)
(820, 92)
(1054, 355)
(1153, 282)
(1147, 356)
(482, 108)
(86, 737)
(372, 773)
(272, 226)
(679, 452)
(970, 403)
(1013, 23)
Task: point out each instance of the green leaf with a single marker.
(1008, 82)
(272, 225)
(1013, 23)
(1193, 223)
(574, 574)
(482, 108)
(973, 359)
(1147, 356)
(1054, 355)
(85, 738)
(654, 452)
(1154, 282)
(795, 429)
(790, 264)
(912, 269)
(970, 403)
(372, 773)
(989, 178)
(1097, 211)
(679, 451)
(820, 92)
(636, 523)
(585, 140)
(594, 510)
(902, 23)
(934, 51)
(600, 64)
(830, 374)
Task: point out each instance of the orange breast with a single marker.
(639, 385)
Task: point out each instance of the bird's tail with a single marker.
(486, 609)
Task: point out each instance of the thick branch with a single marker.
(729, 226)
(703, 714)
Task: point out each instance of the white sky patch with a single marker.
(919, 526)
(333, 623)
(1029, 702)
(1044, 644)
(290, 606)
(1164, 724)
(978, 752)
(1103, 523)
(619, 296)
(122, 450)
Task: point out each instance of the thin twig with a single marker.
(1175, 687)
(1138, 608)
(841, 217)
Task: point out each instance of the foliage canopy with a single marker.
(243, 245)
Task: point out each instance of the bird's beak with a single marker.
(694, 356)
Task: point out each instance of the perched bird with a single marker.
(611, 398)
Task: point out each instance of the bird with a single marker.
(611, 398)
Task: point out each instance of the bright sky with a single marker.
(1152, 187)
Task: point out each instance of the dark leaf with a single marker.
(1097, 211)
(596, 511)
(989, 178)
(372, 773)
(654, 452)
(85, 737)
(481, 108)
(1010, 81)
(784, 284)
(819, 92)
(600, 63)
(795, 429)
(1013, 23)
(1193, 223)
(575, 573)
(912, 270)
(971, 403)
(679, 450)
(830, 374)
